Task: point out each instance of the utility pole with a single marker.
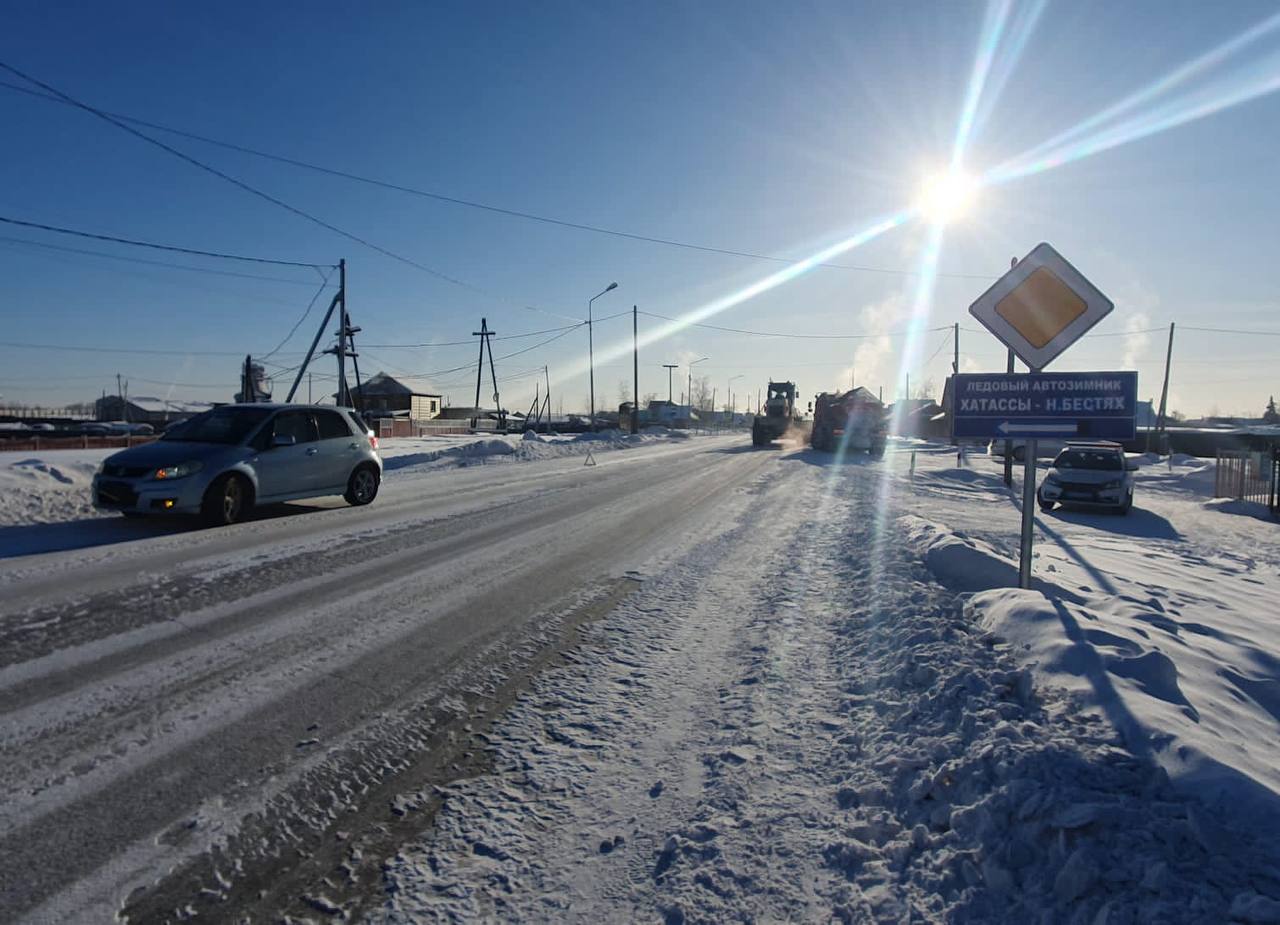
(635, 369)
(955, 368)
(124, 412)
(343, 400)
(308, 388)
(669, 367)
(1164, 390)
(547, 372)
(485, 334)
(908, 386)
(1008, 444)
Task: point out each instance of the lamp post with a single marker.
(591, 356)
(698, 360)
(731, 401)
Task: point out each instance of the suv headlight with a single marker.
(181, 470)
(1114, 483)
(1052, 479)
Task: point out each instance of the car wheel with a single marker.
(1124, 508)
(227, 501)
(362, 487)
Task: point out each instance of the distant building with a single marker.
(158, 412)
(411, 397)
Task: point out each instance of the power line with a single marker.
(233, 180)
(293, 330)
(160, 247)
(716, 327)
(454, 369)
(31, 242)
(471, 204)
(1228, 331)
(155, 352)
(472, 343)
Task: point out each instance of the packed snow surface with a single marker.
(803, 722)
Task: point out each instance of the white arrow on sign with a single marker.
(1006, 428)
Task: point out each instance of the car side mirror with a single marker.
(283, 440)
(1131, 465)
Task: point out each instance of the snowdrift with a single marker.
(1202, 701)
(959, 562)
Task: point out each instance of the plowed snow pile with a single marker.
(1163, 621)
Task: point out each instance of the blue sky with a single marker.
(761, 127)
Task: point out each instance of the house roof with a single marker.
(385, 384)
(166, 405)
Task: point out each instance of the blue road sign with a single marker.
(1052, 406)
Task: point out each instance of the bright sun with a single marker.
(946, 196)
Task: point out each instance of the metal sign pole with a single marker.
(1028, 513)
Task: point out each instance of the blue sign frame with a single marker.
(1050, 406)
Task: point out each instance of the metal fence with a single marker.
(1246, 476)
(1274, 501)
(399, 427)
(32, 444)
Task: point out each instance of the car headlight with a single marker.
(181, 470)
(1114, 483)
(1052, 479)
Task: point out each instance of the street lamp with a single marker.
(699, 360)
(731, 401)
(591, 357)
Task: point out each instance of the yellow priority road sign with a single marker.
(1041, 307)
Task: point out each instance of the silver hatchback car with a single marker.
(221, 463)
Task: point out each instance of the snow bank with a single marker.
(45, 488)
(959, 562)
(1203, 702)
(434, 453)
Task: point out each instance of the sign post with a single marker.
(1038, 309)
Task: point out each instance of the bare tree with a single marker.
(648, 397)
(701, 396)
(624, 391)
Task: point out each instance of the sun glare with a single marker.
(946, 196)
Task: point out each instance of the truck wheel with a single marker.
(226, 502)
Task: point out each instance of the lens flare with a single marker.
(1178, 76)
(772, 281)
(946, 196)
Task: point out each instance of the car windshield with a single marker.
(1104, 460)
(220, 425)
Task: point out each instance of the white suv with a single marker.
(1089, 475)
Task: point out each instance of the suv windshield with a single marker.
(1105, 460)
(221, 425)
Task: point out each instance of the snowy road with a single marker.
(158, 690)
(696, 682)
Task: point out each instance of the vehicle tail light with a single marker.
(373, 441)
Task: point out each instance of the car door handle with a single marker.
(353, 446)
(312, 452)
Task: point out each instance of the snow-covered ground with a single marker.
(811, 693)
(800, 722)
(53, 486)
(1165, 620)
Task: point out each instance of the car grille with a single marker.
(116, 494)
(125, 472)
(1081, 490)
